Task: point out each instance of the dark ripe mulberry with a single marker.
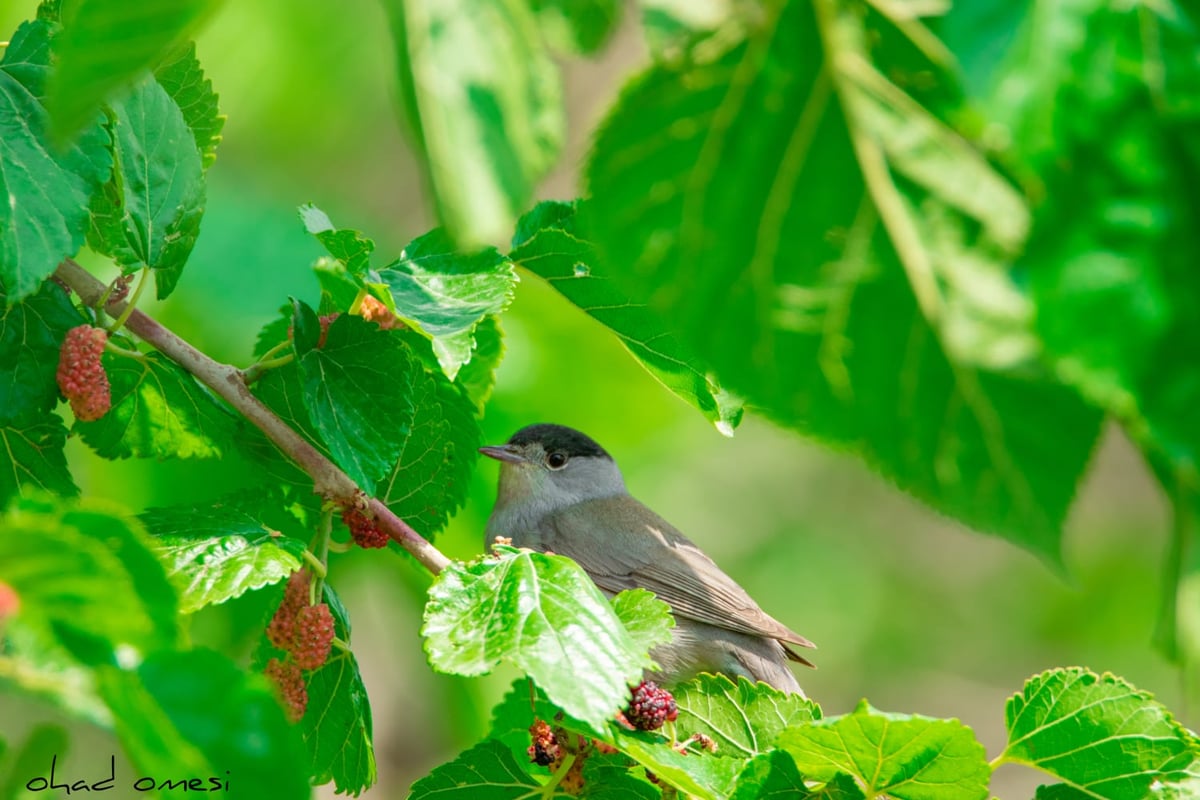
(650, 706)
(289, 685)
(543, 745)
(314, 636)
(81, 376)
(363, 528)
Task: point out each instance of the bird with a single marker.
(561, 492)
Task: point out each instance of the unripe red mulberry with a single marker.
(374, 311)
(363, 528)
(81, 376)
(289, 684)
(314, 636)
(281, 631)
(650, 707)
(10, 601)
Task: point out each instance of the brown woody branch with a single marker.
(228, 381)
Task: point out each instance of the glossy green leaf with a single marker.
(431, 477)
(772, 775)
(359, 395)
(549, 242)
(158, 411)
(907, 757)
(543, 614)
(478, 376)
(33, 456)
(349, 247)
(647, 619)
(445, 293)
(1097, 733)
(31, 333)
(184, 80)
(745, 719)
(218, 552)
(482, 98)
(108, 45)
(149, 213)
(609, 777)
(337, 724)
(487, 771)
(46, 216)
(879, 318)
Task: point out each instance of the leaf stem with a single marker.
(317, 565)
(122, 351)
(559, 774)
(227, 381)
(133, 301)
(358, 300)
(253, 372)
(318, 553)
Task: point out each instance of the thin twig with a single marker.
(328, 480)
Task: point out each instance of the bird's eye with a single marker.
(556, 460)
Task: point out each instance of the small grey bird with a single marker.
(561, 492)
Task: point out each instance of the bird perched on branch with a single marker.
(561, 492)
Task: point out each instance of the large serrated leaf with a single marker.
(158, 411)
(549, 243)
(1101, 736)
(184, 80)
(46, 217)
(773, 776)
(487, 770)
(745, 719)
(33, 456)
(543, 614)
(907, 757)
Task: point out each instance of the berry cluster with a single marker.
(305, 632)
(325, 321)
(543, 749)
(363, 528)
(548, 748)
(81, 376)
(650, 706)
(374, 311)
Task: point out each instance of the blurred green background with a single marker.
(909, 609)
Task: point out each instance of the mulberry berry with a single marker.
(281, 631)
(650, 707)
(374, 311)
(314, 636)
(364, 529)
(81, 376)
(543, 749)
(289, 684)
(10, 601)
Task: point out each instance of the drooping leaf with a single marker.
(478, 376)
(158, 411)
(745, 719)
(550, 243)
(107, 45)
(183, 79)
(46, 216)
(880, 319)
(542, 613)
(149, 213)
(907, 757)
(445, 293)
(431, 477)
(218, 552)
(1101, 736)
(31, 333)
(337, 724)
(34, 459)
(358, 389)
(482, 98)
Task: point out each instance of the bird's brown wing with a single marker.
(640, 549)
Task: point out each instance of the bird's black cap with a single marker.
(559, 438)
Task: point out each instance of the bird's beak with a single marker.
(503, 452)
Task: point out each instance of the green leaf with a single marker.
(196, 715)
(549, 242)
(647, 619)
(579, 25)
(183, 79)
(281, 390)
(669, 24)
(432, 475)
(744, 719)
(107, 45)
(218, 552)
(35, 460)
(349, 247)
(773, 774)
(41, 667)
(158, 411)
(46, 216)
(1096, 732)
(482, 97)
(445, 294)
(542, 613)
(44, 743)
(901, 756)
(703, 183)
(90, 575)
(337, 724)
(607, 776)
(478, 376)
(487, 771)
(31, 333)
(358, 392)
(149, 213)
